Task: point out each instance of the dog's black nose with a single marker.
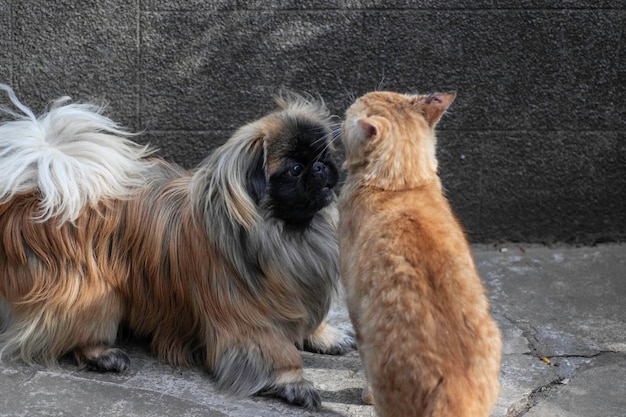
(319, 168)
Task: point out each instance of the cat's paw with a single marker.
(329, 340)
(367, 396)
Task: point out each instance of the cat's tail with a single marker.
(70, 156)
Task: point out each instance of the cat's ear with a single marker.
(434, 105)
(370, 127)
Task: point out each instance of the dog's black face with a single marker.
(303, 182)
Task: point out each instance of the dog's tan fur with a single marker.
(186, 258)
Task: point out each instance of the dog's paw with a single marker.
(242, 371)
(302, 393)
(109, 360)
(329, 340)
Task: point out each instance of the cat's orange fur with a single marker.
(426, 337)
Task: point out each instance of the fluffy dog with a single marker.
(234, 263)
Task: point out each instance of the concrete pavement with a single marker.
(562, 311)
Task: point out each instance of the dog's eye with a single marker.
(296, 170)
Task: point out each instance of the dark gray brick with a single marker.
(618, 99)
(220, 69)
(512, 69)
(553, 185)
(560, 4)
(184, 148)
(460, 158)
(6, 52)
(532, 149)
(544, 75)
(171, 5)
(84, 49)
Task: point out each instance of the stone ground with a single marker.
(562, 312)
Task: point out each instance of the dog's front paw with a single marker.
(329, 340)
(302, 393)
(105, 360)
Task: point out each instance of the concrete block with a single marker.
(460, 168)
(375, 4)
(542, 72)
(184, 148)
(91, 398)
(578, 292)
(553, 184)
(224, 57)
(559, 297)
(620, 86)
(188, 5)
(6, 54)
(86, 50)
(515, 391)
(546, 74)
(556, 4)
(220, 70)
(596, 391)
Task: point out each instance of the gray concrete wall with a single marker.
(534, 148)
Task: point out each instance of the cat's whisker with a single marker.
(329, 140)
(381, 84)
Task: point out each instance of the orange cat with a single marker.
(427, 340)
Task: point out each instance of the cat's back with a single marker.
(420, 305)
(410, 240)
(409, 221)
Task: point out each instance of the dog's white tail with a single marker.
(71, 156)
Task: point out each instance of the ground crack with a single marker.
(580, 355)
(542, 392)
(533, 398)
(528, 332)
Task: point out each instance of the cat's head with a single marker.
(389, 138)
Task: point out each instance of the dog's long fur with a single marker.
(93, 235)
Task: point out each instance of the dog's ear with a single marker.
(232, 180)
(256, 176)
